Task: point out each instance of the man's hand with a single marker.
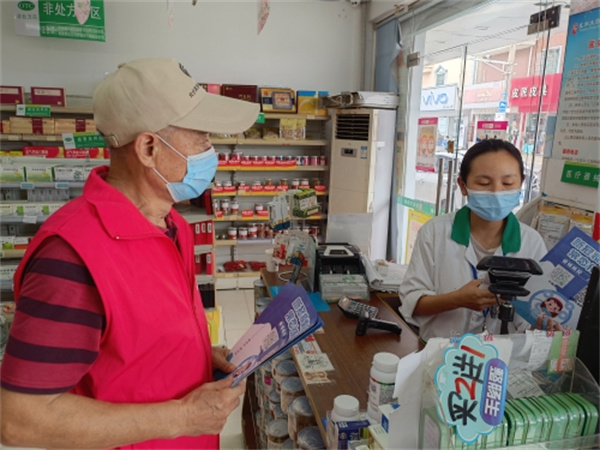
(206, 408)
(219, 359)
(473, 297)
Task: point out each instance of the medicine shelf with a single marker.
(23, 219)
(36, 184)
(248, 274)
(236, 242)
(205, 279)
(270, 142)
(258, 194)
(193, 217)
(8, 160)
(272, 168)
(238, 218)
(12, 253)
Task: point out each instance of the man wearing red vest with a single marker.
(109, 345)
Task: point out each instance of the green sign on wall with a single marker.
(580, 173)
(68, 19)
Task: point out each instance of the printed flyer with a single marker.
(289, 318)
(560, 291)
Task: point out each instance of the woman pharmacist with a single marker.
(441, 291)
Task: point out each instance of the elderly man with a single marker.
(109, 346)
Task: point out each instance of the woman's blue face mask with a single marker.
(493, 206)
(201, 169)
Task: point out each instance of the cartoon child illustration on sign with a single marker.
(552, 306)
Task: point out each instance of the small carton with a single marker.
(7, 242)
(47, 151)
(12, 95)
(53, 96)
(379, 437)
(7, 271)
(69, 173)
(29, 209)
(241, 92)
(51, 208)
(307, 102)
(7, 209)
(40, 174)
(11, 174)
(339, 433)
(21, 242)
(277, 100)
(212, 88)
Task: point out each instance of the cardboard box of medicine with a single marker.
(339, 433)
(32, 125)
(50, 208)
(12, 95)
(212, 88)
(69, 173)
(198, 264)
(379, 437)
(241, 91)
(74, 126)
(7, 242)
(278, 100)
(209, 263)
(10, 174)
(41, 174)
(53, 96)
(21, 242)
(7, 271)
(47, 151)
(29, 209)
(85, 153)
(307, 102)
(7, 209)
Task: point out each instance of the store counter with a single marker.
(351, 355)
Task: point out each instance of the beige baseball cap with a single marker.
(152, 93)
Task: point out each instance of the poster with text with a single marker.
(577, 136)
(428, 133)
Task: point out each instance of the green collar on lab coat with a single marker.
(461, 231)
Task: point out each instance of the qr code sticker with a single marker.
(560, 277)
(269, 340)
(580, 296)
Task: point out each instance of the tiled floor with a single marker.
(238, 315)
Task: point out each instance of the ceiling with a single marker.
(500, 23)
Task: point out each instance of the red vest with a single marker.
(156, 345)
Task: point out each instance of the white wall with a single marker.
(304, 45)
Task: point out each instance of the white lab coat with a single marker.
(439, 265)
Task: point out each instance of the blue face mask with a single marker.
(201, 170)
(493, 206)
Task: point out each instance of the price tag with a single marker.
(29, 219)
(33, 110)
(62, 185)
(27, 185)
(83, 140)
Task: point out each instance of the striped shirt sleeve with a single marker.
(58, 323)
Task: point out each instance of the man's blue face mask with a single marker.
(201, 170)
(493, 206)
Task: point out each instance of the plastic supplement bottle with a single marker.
(345, 409)
(382, 382)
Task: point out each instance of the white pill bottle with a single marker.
(382, 382)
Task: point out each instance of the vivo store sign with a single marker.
(67, 19)
(441, 98)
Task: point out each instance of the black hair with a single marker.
(485, 146)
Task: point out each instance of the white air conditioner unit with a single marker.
(362, 157)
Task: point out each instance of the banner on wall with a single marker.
(491, 129)
(427, 135)
(577, 136)
(66, 19)
(416, 220)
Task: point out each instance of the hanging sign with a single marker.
(68, 19)
(577, 135)
(33, 110)
(472, 388)
(83, 140)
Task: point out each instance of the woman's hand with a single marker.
(219, 359)
(550, 325)
(473, 297)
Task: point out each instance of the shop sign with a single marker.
(483, 95)
(581, 174)
(83, 140)
(33, 110)
(441, 98)
(526, 93)
(69, 19)
(471, 387)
